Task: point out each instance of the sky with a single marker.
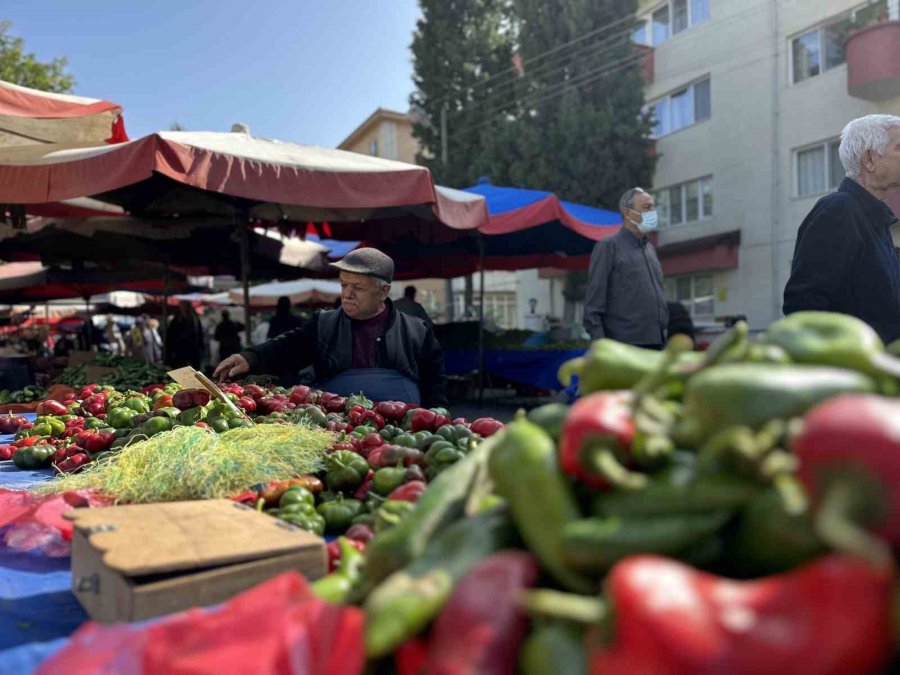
(308, 71)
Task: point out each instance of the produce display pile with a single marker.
(736, 510)
(730, 511)
(28, 394)
(129, 373)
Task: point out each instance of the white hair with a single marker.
(865, 133)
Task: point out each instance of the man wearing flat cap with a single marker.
(364, 346)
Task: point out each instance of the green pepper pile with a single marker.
(674, 483)
(28, 394)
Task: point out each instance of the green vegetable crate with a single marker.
(144, 560)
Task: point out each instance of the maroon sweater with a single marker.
(367, 333)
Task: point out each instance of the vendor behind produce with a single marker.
(365, 346)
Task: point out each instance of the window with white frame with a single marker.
(822, 48)
(695, 292)
(682, 108)
(669, 19)
(819, 168)
(685, 202)
(500, 307)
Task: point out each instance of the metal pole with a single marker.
(165, 308)
(244, 235)
(481, 320)
(444, 150)
(448, 287)
(89, 323)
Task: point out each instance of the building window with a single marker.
(695, 292)
(499, 307)
(682, 109)
(823, 48)
(669, 19)
(373, 148)
(819, 168)
(685, 203)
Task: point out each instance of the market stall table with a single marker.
(534, 367)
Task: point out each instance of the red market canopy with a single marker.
(176, 174)
(29, 116)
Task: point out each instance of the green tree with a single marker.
(23, 68)
(461, 51)
(579, 130)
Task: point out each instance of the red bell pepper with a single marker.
(300, 394)
(149, 389)
(6, 451)
(190, 398)
(409, 492)
(461, 420)
(95, 442)
(596, 423)
(10, 424)
(28, 441)
(830, 616)
(334, 551)
(365, 487)
(391, 410)
(335, 404)
(87, 391)
(849, 452)
(94, 405)
(254, 391)
(247, 404)
(359, 416)
(482, 626)
(423, 420)
(360, 532)
(375, 456)
(486, 426)
(51, 407)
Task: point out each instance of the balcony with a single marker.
(873, 62)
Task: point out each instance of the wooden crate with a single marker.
(135, 562)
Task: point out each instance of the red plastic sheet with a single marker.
(277, 628)
(36, 522)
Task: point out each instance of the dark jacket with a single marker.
(326, 343)
(625, 300)
(845, 261)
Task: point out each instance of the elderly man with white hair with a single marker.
(845, 260)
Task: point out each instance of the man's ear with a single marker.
(387, 290)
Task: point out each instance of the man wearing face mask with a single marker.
(625, 300)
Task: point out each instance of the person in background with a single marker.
(185, 337)
(152, 341)
(136, 338)
(625, 300)
(114, 336)
(366, 345)
(408, 305)
(844, 258)
(283, 320)
(228, 335)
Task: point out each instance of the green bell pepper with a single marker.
(448, 433)
(218, 424)
(304, 517)
(345, 470)
(120, 417)
(57, 426)
(297, 495)
(156, 425)
(388, 479)
(191, 416)
(358, 400)
(407, 440)
(137, 403)
(33, 457)
(339, 514)
(389, 432)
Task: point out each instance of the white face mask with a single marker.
(649, 221)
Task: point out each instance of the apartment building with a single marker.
(749, 98)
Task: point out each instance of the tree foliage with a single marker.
(23, 68)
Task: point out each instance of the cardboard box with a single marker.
(140, 561)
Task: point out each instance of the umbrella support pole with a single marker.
(165, 309)
(481, 320)
(244, 235)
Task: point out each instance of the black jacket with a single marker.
(326, 343)
(845, 261)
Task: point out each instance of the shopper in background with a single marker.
(408, 305)
(283, 320)
(228, 335)
(625, 299)
(152, 341)
(185, 337)
(136, 338)
(114, 336)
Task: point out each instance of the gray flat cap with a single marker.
(368, 261)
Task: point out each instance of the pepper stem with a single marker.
(551, 604)
(605, 463)
(835, 525)
(568, 369)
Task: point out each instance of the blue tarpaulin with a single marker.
(534, 367)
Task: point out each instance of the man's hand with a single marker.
(234, 366)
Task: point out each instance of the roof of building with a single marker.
(377, 116)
